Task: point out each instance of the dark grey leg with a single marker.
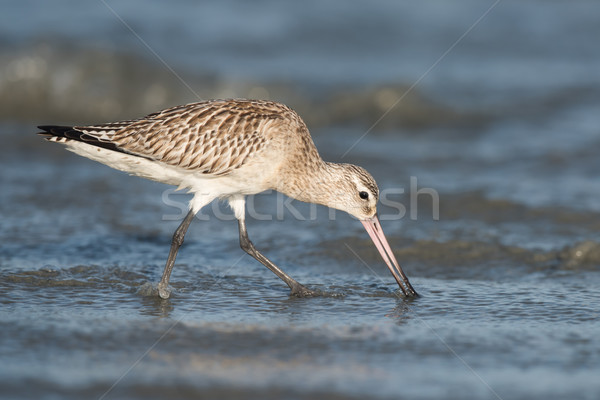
(163, 285)
(248, 247)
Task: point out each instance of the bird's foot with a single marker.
(299, 290)
(163, 290)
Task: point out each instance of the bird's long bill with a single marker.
(373, 227)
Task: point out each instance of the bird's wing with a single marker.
(213, 137)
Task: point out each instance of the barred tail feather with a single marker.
(61, 134)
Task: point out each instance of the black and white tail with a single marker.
(62, 134)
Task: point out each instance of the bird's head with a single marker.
(355, 192)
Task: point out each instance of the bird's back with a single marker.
(212, 137)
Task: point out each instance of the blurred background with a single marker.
(492, 104)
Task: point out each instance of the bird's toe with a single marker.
(163, 291)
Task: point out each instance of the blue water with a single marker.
(502, 125)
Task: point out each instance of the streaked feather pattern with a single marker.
(211, 137)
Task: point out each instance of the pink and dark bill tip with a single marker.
(373, 227)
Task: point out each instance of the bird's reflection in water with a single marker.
(402, 311)
(153, 305)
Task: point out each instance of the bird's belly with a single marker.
(131, 164)
(234, 183)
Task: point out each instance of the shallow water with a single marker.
(508, 306)
(508, 270)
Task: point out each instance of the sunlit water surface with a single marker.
(508, 275)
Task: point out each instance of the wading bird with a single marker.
(229, 149)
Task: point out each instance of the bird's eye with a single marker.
(363, 195)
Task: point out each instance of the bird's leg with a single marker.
(163, 285)
(246, 245)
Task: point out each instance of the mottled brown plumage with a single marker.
(211, 137)
(229, 149)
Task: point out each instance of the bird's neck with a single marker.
(314, 183)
